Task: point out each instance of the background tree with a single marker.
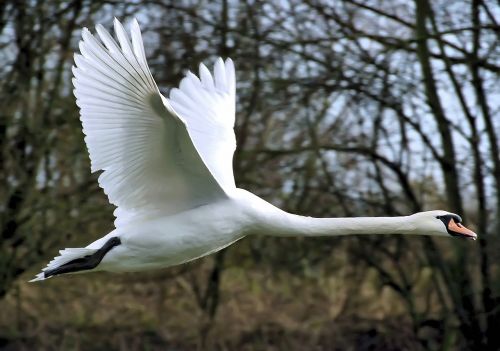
(344, 108)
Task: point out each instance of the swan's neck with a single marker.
(293, 225)
(273, 221)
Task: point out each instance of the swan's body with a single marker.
(168, 168)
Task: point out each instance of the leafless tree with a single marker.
(348, 107)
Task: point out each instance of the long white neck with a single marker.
(294, 225)
(274, 221)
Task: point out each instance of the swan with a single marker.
(167, 167)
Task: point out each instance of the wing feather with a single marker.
(150, 165)
(207, 105)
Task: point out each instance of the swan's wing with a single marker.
(150, 165)
(207, 105)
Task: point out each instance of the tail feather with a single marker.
(39, 276)
(65, 256)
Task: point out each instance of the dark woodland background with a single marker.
(345, 108)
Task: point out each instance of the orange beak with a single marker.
(460, 230)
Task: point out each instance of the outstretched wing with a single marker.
(207, 105)
(150, 165)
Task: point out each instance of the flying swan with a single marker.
(167, 166)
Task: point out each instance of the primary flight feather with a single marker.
(167, 166)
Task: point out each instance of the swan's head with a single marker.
(441, 223)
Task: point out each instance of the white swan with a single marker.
(167, 166)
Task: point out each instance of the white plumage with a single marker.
(167, 165)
